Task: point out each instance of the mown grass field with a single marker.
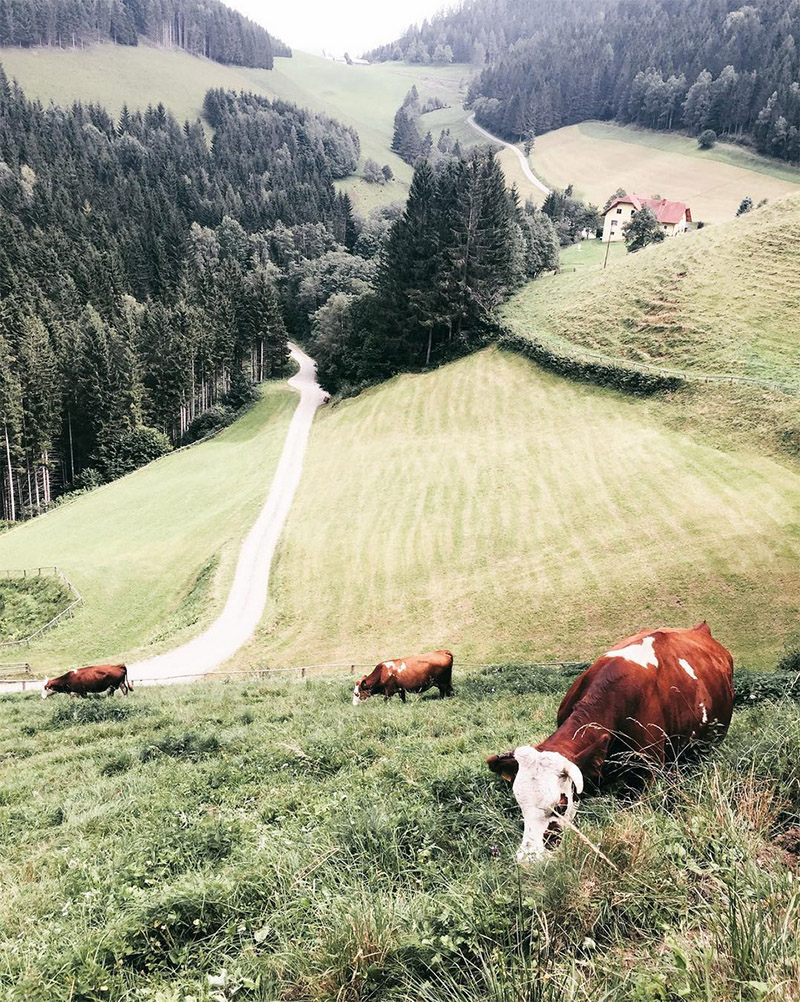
(271, 842)
(153, 553)
(599, 157)
(511, 515)
(721, 300)
(27, 604)
(365, 97)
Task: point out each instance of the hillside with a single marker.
(474, 508)
(721, 300)
(599, 157)
(365, 97)
(154, 553)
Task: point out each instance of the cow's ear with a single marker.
(593, 757)
(504, 765)
(703, 628)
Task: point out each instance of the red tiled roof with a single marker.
(664, 210)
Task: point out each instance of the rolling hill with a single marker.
(365, 97)
(154, 553)
(721, 300)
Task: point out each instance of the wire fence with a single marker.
(34, 572)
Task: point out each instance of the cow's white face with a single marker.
(545, 787)
(45, 691)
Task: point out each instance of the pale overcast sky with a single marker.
(337, 25)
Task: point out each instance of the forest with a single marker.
(141, 274)
(731, 67)
(204, 29)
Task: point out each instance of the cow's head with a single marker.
(46, 688)
(361, 691)
(546, 786)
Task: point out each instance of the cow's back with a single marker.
(420, 670)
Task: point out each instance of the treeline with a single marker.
(732, 67)
(142, 273)
(407, 139)
(461, 246)
(205, 29)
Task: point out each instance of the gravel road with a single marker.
(522, 158)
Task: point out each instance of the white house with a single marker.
(674, 217)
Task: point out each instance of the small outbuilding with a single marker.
(673, 217)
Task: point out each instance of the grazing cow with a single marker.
(641, 703)
(95, 678)
(415, 674)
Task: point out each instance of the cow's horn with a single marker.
(576, 776)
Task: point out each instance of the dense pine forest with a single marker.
(141, 274)
(205, 29)
(461, 246)
(725, 65)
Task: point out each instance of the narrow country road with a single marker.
(248, 594)
(522, 158)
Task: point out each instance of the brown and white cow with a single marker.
(640, 704)
(95, 678)
(413, 674)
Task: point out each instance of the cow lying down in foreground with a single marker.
(95, 678)
(414, 674)
(640, 704)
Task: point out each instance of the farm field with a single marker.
(154, 553)
(221, 841)
(507, 514)
(721, 300)
(599, 157)
(365, 97)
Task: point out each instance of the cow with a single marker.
(413, 674)
(95, 678)
(639, 705)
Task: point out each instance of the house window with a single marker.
(619, 212)
(613, 223)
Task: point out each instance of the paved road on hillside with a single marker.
(248, 594)
(522, 158)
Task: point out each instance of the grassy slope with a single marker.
(26, 605)
(508, 514)
(598, 157)
(365, 97)
(724, 299)
(141, 549)
(316, 852)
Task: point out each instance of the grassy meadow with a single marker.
(721, 300)
(271, 842)
(599, 157)
(27, 604)
(153, 554)
(508, 514)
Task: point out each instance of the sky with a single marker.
(337, 26)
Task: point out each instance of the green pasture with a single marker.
(724, 299)
(26, 605)
(599, 157)
(153, 554)
(507, 514)
(269, 841)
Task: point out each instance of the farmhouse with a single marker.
(674, 217)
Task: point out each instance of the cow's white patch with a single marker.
(356, 700)
(45, 691)
(687, 668)
(541, 781)
(403, 666)
(640, 654)
(389, 664)
(705, 713)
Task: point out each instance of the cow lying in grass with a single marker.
(640, 704)
(414, 674)
(94, 679)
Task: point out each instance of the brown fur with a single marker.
(94, 678)
(421, 672)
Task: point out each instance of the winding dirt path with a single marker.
(248, 594)
(526, 168)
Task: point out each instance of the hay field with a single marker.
(599, 157)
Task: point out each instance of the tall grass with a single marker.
(271, 842)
